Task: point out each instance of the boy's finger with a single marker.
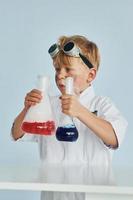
(34, 95)
(33, 99)
(36, 91)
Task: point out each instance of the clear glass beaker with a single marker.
(67, 130)
(39, 118)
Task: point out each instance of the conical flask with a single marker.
(67, 130)
(39, 118)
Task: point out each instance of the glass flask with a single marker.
(39, 118)
(67, 130)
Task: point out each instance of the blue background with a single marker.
(27, 29)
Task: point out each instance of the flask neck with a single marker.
(69, 85)
(42, 83)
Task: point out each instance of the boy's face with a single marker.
(81, 74)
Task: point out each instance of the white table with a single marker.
(98, 183)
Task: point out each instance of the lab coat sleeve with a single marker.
(109, 112)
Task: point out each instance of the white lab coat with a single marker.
(88, 149)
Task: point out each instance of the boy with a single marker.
(100, 125)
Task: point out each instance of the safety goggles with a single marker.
(69, 49)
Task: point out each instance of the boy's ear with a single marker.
(92, 74)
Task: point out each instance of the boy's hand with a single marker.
(70, 105)
(32, 98)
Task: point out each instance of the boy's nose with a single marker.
(62, 74)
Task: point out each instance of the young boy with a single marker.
(100, 125)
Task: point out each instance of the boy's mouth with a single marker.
(61, 87)
(61, 84)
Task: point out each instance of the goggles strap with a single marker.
(86, 61)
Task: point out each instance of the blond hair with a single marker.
(89, 50)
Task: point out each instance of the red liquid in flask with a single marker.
(41, 128)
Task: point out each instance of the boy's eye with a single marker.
(57, 69)
(68, 69)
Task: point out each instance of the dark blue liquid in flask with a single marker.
(67, 130)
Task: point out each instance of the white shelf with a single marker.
(67, 188)
(67, 179)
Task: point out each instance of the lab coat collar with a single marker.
(87, 95)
